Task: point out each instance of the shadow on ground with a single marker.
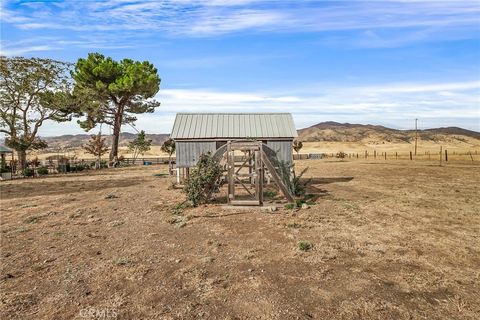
(330, 180)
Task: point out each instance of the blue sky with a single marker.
(375, 62)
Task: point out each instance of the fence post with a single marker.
(396, 155)
(440, 155)
(446, 156)
(374, 154)
(411, 158)
(385, 155)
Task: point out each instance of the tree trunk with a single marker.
(135, 155)
(116, 135)
(170, 171)
(22, 159)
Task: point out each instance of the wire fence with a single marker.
(442, 156)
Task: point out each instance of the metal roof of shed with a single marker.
(233, 125)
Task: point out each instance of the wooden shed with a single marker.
(198, 133)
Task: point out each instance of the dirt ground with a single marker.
(390, 241)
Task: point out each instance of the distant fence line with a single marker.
(55, 166)
(65, 165)
(443, 155)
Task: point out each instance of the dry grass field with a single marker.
(391, 148)
(394, 240)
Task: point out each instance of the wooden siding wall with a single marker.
(283, 149)
(188, 152)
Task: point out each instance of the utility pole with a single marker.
(416, 136)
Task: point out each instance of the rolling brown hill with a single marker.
(371, 134)
(78, 140)
(324, 132)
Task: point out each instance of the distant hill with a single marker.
(76, 141)
(371, 134)
(329, 131)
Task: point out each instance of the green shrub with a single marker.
(294, 182)
(5, 169)
(179, 208)
(203, 180)
(28, 172)
(78, 167)
(298, 185)
(290, 206)
(341, 155)
(269, 194)
(304, 246)
(42, 171)
(64, 168)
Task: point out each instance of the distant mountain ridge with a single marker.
(375, 134)
(70, 141)
(329, 131)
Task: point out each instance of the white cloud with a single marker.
(395, 105)
(206, 18)
(370, 23)
(17, 51)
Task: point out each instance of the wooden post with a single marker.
(231, 169)
(259, 170)
(396, 155)
(366, 154)
(416, 136)
(385, 155)
(374, 154)
(440, 155)
(357, 155)
(446, 156)
(250, 166)
(471, 157)
(411, 158)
